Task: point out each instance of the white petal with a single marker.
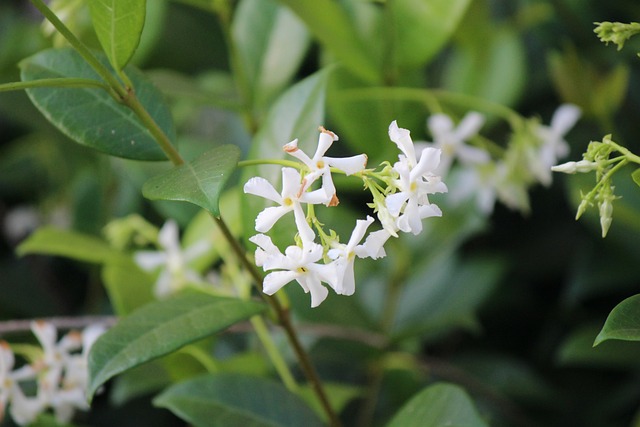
(441, 126)
(359, 232)
(349, 165)
(469, 126)
(291, 183)
(325, 140)
(473, 155)
(150, 260)
(259, 186)
(564, 118)
(292, 149)
(429, 160)
(402, 138)
(395, 202)
(46, 334)
(168, 235)
(373, 245)
(428, 211)
(269, 216)
(276, 280)
(318, 292)
(305, 231)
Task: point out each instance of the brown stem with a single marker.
(284, 319)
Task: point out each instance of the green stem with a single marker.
(284, 319)
(57, 82)
(81, 48)
(288, 163)
(628, 154)
(276, 358)
(131, 101)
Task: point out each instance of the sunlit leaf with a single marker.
(160, 328)
(69, 244)
(623, 322)
(271, 44)
(439, 405)
(330, 24)
(199, 182)
(118, 24)
(91, 116)
(222, 400)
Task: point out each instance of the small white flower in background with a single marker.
(297, 263)
(451, 140)
(319, 165)
(476, 182)
(61, 375)
(172, 260)
(553, 146)
(416, 181)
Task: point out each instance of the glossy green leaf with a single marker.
(222, 400)
(635, 175)
(439, 405)
(421, 28)
(199, 182)
(118, 24)
(160, 328)
(90, 116)
(623, 322)
(69, 244)
(271, 43)
(331, 25)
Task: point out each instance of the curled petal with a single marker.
(259, 186)
(269, 216)
(349, 165)
(373, 245)
(429, 160)
(402, 138)
(325, 140)
(395, 202)
(274, 281)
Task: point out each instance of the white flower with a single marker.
(373, 246)
(451, 140)
(344, 256)
(297, 263)
(293, 194)
(172, 260)
(553, 145)
(24, 410)
(416, 181)
(319, 165)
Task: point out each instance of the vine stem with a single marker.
(126, 95)
(284, 319)
(57, 82)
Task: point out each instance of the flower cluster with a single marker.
(506, 173)
(59, 372)
(598, 158)
(400, 199)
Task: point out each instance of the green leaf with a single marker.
(623, 322)
(342, 39)
(491, 65)
(222, 400)
(118, 24)
(199, 182)
(421, 28)
(439, 405)
(636, 176)
(160, 328)
(271, 44)
(127, 285)
(69, 244)
(90, 116)
(578, 350)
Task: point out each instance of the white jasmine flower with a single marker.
(319, 165)
(293, 194)
(451, 140)
(553, 145)
(297, 263)
(373, 246)
(23, 410)
(172, 260)
(344, 256)
(416, 181)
